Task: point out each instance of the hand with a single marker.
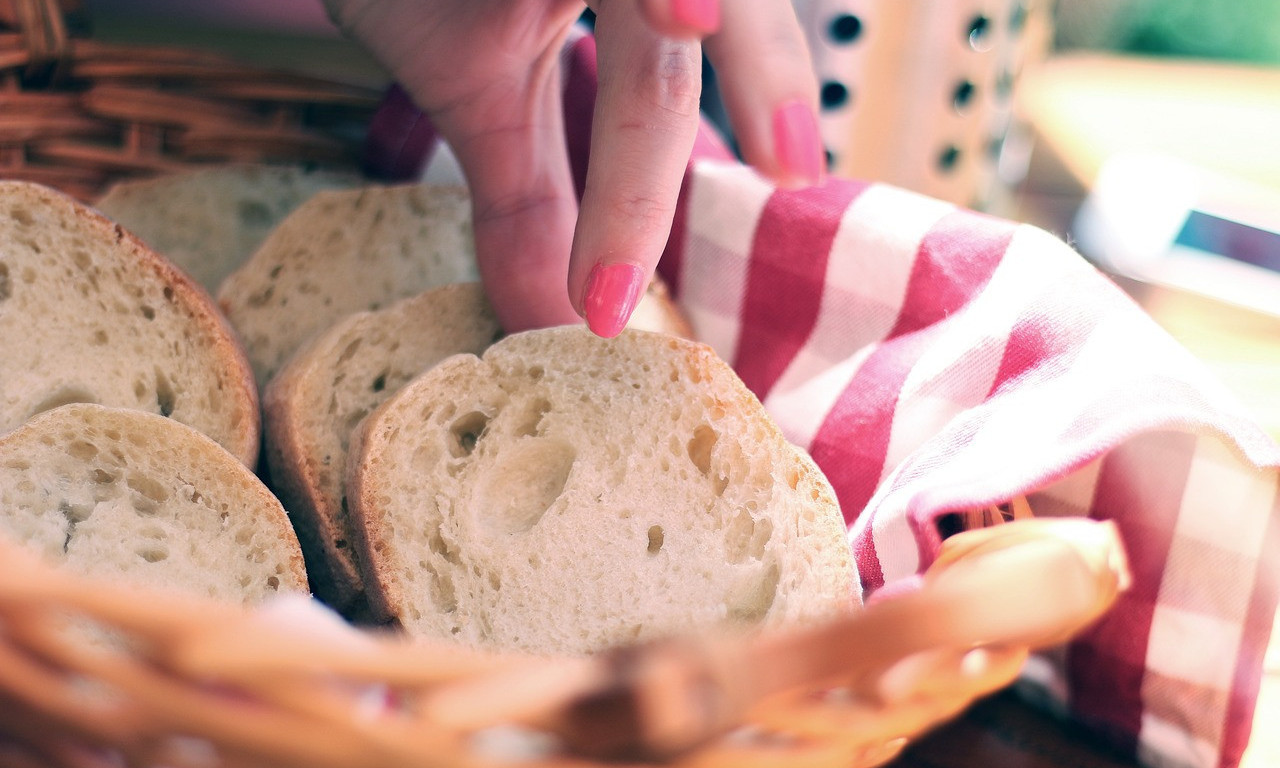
(487, 72)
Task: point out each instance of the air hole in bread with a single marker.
(82, 450)
(148, 488)
(530, 424)
(147, 312)
(6, 287)
(442, 592)
(63, 396)
(523, 482)
(656, 536)
(379, 383)
(437, 544)
(350, 351)
(465, 433)
(153, 554)
(700, 446)
(754, 599)
(22, 216)
(165, 398)
(793, 478)
(273, 583)
(747, 537)
(99, 338)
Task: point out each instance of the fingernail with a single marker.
(796, 142)
(702, 15)
(613, 290)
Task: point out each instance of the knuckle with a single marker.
(672, 79)
(645, 213)
(509, 206)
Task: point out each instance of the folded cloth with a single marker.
(934, 360)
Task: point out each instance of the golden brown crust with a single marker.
(294, 477)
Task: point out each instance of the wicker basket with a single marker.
(188, 684)
(76, 114)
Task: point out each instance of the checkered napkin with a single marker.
(933, 360)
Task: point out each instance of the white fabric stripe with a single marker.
(866, 280)
(938, 386)
(1162, 744)
(1239, 496)
(1192, 646)
(800, 411)
(724, 207)
(1048, 408)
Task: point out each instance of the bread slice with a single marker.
(566, 493)
(90, 314)
(341, 252)
(210, 221)
(133, 497)
(315, 401)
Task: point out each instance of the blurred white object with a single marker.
(1167, 222)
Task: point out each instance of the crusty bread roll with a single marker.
(345, 251)
(209, 221)
(565, 493)
(112, 493)
(357, 250)
(90, 314)
(336, 380)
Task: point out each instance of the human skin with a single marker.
(488, 74)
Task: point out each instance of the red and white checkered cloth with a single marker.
(932, 360)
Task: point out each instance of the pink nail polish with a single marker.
(613, 290)
(796, 142)
(702, 15)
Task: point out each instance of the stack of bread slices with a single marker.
(242, 381)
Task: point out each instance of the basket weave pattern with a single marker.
(76, 114)
(190, 684)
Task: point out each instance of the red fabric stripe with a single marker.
(954, 261)
(1253, 646)
(786, 277)
(1045, 342)
(1140, 487)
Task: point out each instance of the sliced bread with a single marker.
(565, 493)
(209, 221)
(346, 251)
(313, 403)
(118, 494)
(90, 314)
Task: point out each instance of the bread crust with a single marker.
(227, 361)
(308, 416)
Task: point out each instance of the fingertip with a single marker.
(611, 295)
(683, 18)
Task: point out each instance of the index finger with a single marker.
(646, 119)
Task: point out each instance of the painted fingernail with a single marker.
(796, 142)
(613, 290)
(702, 15)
